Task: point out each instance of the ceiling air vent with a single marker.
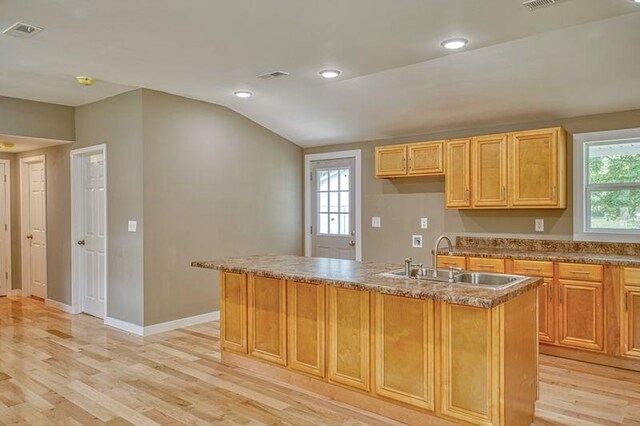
(272, 75)
(537, 4)
(22, 30)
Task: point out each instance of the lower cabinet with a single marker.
(268, 319)
(631, 318)
(306, 321)
(233, 312)
(546, 312)
(349, 344)
(404, 350)
(581, 314)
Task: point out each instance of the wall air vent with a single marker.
(272, 75)
(22, 30)
(537, 4)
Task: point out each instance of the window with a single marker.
(333, 202)
(607, 186)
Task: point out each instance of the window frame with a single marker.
(582, 230)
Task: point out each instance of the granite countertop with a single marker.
(366, 276)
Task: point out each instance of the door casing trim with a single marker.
(76, 192)
(7, 244)
(308, 158)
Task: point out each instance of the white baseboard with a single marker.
(124, 326)
(59, 305)
(17, 292)
(180, 323)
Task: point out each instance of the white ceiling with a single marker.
(575, 58)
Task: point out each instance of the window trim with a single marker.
(580, 194)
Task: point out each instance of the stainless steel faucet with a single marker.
(435, 253)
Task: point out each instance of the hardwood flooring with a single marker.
(60, 369)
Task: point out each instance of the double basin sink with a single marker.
(458, 276)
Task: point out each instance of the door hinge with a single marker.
(5, 178)
(310, 175)
(6, 275)
(5, 227)
(311, 230)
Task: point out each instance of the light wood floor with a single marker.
(60, 369)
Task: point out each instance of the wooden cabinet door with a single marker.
(469, 376)
(233, 311)
(631, 318)
(404, 349)
(490, 176)
(458, 173)
(581, 314)
(426, 158)
(268, 319)
(546, 309)
(391, 161)
(537, 164)
(306, 327)
(349, 343)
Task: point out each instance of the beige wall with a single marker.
(402, 202)
(215, 184)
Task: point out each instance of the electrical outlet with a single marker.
(424, 223)
(539, 225)
(416, 241)
(375, 222)
(132, 226)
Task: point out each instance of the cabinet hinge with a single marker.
(5, 178)
(5, 227)
(6, 275)
(626, 302)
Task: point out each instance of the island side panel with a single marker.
(267, 303)
(233, 312)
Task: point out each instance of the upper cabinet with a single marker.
(489, 181)
(424, 159)
(458, 177)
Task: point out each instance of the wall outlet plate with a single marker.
(539, 225)
(416, 241)
(375, 222)
(132, 226)
(424, 223)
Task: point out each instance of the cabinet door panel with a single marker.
(391, 161)
(349, 340)
(632, 322)
(458, 173)
(233, 311)
(546, 316)
(404, 342)
(490, 176)
(426, 158)
(267, 319)
(306, 327)
(455, 261)
(581, 314)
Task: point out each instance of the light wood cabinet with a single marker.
(306, 321)
(481, 264)
(458, 173)
(455, 261)
(349, 340)
(426, 158)
(578, 271)
(404, 350)
(233, 311)
(538, 168)
(581, 314)
(533, 268)
(489, 183)
(546, 312)
(631, 314)
(268, 319)
(391, 161)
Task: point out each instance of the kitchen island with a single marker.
(421, 352)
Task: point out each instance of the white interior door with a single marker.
(35, 216)
(5, 243)
(92, 237)
(333, 208)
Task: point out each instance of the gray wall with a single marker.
(215, 184)
(402, 202)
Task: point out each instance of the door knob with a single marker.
(352, 243)
(81, 242)
(29, 237)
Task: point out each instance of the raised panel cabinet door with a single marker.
(469, 377)
(233, 311)
(426, 158)
(349, 339)
(391, 161)
(306, 312)
(458, 173)
(268, 319)
(490, 177)
(546, 317)
(581, 314)
(404, 349)
(538, 168)
(631, 320)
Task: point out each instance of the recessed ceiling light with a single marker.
(636, 1)
(454, 43)
(329, 73)
(85, 80)
(22, 30)
(243, 93)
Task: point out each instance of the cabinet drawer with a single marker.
(455, 261)
(486, 265)
(533, 268)
(632, 276)
(575, 271)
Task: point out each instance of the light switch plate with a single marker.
(375, 222)
(539, 225)
(416, 241)
(132, 226)
(424, 223)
